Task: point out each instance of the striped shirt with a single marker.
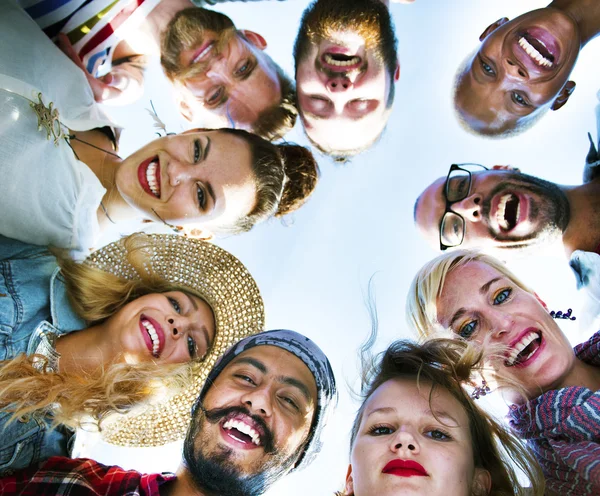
(94, 27)
(562, 427)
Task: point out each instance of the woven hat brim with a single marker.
(206, 270)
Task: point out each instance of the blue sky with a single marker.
(313, 270)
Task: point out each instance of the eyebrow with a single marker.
(211, 193)
(192, 301)
(382, 410)
(482, 290)
(290, 381)
(206, 148)
(441, 414)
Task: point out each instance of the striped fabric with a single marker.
(94, 27)
(562, 427)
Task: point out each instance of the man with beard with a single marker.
(346, 68)
(223, 76)
(522, 67)
(503, 208)
(258, 417)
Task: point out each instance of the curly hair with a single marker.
(448, 364)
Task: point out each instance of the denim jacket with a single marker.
(33, 303)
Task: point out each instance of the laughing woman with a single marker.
(68, 183)
(418, 431)
(86, 340)
(554, 389)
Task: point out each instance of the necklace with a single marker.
(74, 137)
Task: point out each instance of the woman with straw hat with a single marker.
(145, 315)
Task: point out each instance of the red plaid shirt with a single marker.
(81, 477)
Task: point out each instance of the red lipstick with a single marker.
(405, 468)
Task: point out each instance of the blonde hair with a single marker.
(448, 364)
(428, 284)
(73, 396)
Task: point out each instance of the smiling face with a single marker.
(254, 419)
(481, 304)
(172, 327)
(201, 177)
(226, 73)
(345, 71)
(504, 209)
(519, 70)
(402, 448)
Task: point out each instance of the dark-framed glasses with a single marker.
(456, 188)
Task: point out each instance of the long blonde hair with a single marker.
(448, 364)
(94, 295)
(428, 284)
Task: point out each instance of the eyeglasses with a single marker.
(456, 188)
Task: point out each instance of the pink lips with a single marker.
(231, 439)
(405, 468)
(159, 332)
(142, 177)
(336, 68)
(531, 359)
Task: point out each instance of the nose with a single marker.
(258, 400)
(218, 69)
(177, 172)
(338, 84)
(404, 443)
(178, 326)
(502, 322)
(514, 69)
(469, 208)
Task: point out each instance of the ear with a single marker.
(563, 96)
(256, 39)
(492, 27)
(482, 483)
(397, 73)
(505, 168)
(349, 487)
(542, 302)
(197, 233)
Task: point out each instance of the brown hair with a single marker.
(182, 32)
(448, 364)
(286, 175)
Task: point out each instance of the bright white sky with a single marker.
(313, 270)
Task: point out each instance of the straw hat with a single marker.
(208, 271)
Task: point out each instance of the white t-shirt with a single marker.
(47, 196)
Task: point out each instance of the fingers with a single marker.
(103, 91)
(65, 45)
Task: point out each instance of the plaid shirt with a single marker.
(81, 477)
(562, 427)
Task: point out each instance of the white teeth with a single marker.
(502, 222)
(341, 63)
(202, 53)
(151, 178)
(520, 346)
(533, 53)
(244, 428)
(153, 336)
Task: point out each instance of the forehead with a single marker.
(409, 400)
(277, 362)
(462, 285)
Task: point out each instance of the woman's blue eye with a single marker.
(201, 198)
(175, 304)
(519, 100)
(191, 346)
(197, 151)
(380, 430)
(438, 435)
(502, 296)
(487, 68)
(467, 330)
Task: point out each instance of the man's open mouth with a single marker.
(537, 51)
(524, 349)
(202, 52)
(341, 60)
(508, 212)
(243, 429)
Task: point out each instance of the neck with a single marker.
(159, 18)
(183, 485)
(582, 374)
(85, 351)
(583, 230)
(586, 13)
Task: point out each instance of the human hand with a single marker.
(105, 88)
